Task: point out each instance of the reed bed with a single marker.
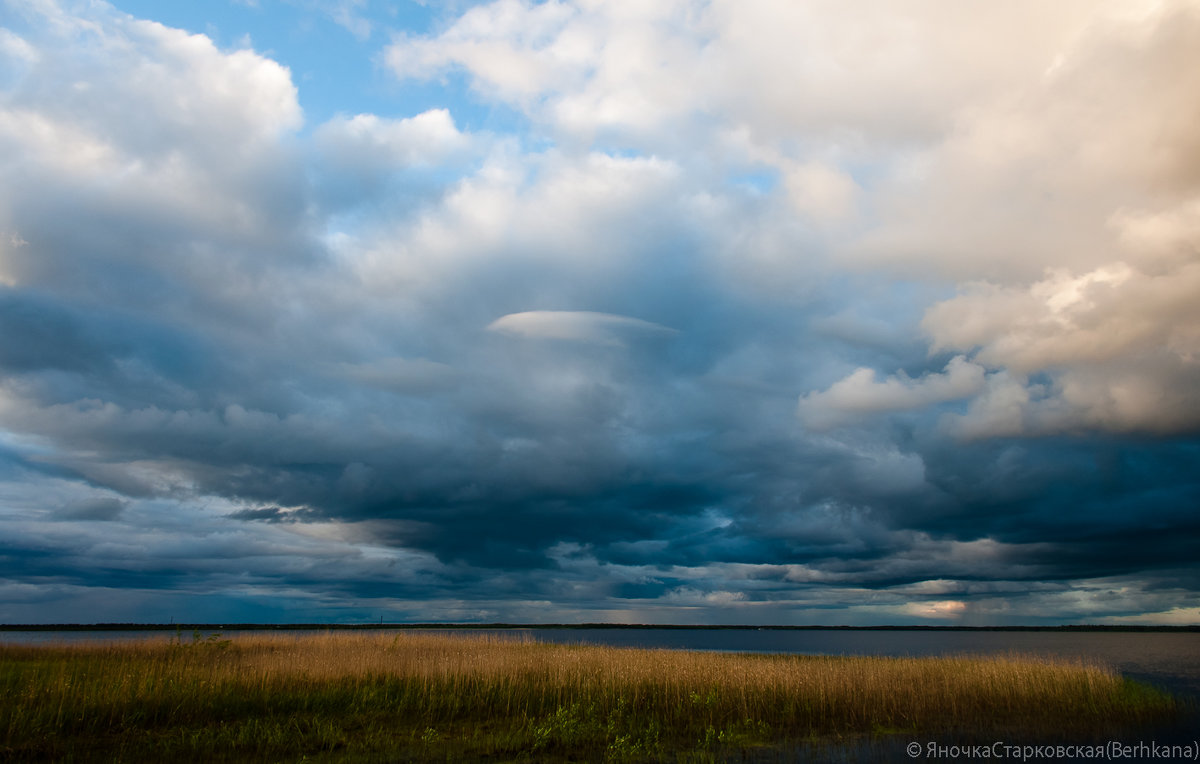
(437, 696)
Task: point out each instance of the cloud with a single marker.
(365, 140)
(868, 315)
(15, 47)
(577, 325)
(860, 394)
(1073, 197)
(937, 608)
(344, 13)
(1121, 346)
(96, 509)
(267, 514)
(200, 169)
(1030, 175)
(649, 72)
(505, 44)
(402, 375)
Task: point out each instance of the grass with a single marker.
(437, 696)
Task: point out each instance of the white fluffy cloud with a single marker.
(594, 216)
(1043, 171)
(368, 141)
(144, 124)
(1112, 349)
(180, 85)
(783, 70)
(860, 394)
(1064, 201)
(508, 45)
(1109, 313)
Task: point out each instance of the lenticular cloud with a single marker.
(581, 326)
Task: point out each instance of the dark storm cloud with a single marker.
(262, 514)
(95, 509)
(41, 335)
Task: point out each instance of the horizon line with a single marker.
(248, 626)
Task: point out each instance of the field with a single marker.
(431, 696)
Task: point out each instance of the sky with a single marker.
(640, 311)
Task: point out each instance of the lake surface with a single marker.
(1168, 659)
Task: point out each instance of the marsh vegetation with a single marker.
(437, 696)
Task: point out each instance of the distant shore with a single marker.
(226, 626)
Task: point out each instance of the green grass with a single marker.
(415, 696)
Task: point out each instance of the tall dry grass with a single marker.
(436, 695)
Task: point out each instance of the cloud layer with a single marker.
(736, 312)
